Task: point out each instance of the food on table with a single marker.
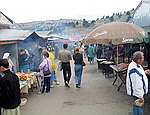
(122, 66)
(24, 76)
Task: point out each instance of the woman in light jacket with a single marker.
(45, 65)
(78, 59)
(7, 56)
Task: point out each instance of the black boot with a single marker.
(76, 85)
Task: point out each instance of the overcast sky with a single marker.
(39, 10)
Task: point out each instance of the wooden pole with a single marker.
(17, 63)
(117, 54)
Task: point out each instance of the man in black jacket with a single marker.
(23, 59)
(9, 90)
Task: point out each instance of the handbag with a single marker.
(47, 72)
(83, 63)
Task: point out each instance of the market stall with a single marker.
(27, 81)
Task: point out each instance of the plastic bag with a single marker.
(59, 67)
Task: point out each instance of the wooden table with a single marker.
(99, 61)
(119, 73)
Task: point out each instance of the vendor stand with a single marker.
(27, 81)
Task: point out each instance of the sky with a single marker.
(21, 11)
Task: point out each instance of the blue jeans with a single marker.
(137, 110)
(78, 73)
(55, 79)
(52, 75)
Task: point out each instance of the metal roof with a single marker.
(141, 15)
(13, 35)
(42, 34)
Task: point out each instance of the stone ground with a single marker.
(97, 96)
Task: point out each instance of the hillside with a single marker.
(68, 26)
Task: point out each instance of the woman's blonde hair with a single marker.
(77, 49)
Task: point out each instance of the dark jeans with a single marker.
(99, 53)
(46, 82)
(66, 71)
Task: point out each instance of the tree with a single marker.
(107, 17)
(113, 14)
(119, 14)
(85, 23)
(128, 18)
(93, 21)
(111, 18)
(77, 23)
(103, 17)
(128, 13)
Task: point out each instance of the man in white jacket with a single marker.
(136, 82)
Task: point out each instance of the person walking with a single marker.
(9, 90)
(56, 49)
(136, 81)
(65, 57)
(78, 68)
(99, 51)
(51, 57)
(86, 46)
(82, 49)
(91, 53)
(45, 65)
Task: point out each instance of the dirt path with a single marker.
(97, 96)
